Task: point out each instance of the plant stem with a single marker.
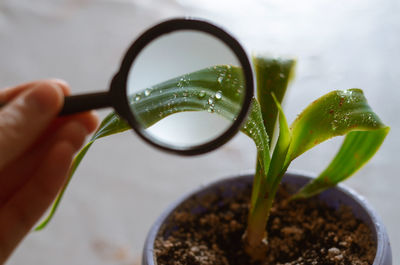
(255, 237)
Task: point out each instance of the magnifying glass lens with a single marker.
(185, 89)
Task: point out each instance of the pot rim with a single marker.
(383, 249)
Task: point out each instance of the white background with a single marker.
(124, 184)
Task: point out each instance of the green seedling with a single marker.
(338, 113)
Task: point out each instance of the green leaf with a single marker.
(75, 164)
(357, 148)
(190, 92)
(278, 168)
(254, 128)
(110, 125)
(337, 113)
(273, 77)
(264, 187)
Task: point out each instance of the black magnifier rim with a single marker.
(118, 88)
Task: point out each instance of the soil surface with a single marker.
(299, 232)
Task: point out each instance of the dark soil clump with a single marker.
(300, 232)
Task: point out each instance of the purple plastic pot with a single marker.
(334, 197)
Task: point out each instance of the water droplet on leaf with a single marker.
(218, 95)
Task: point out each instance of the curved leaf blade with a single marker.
(357, 148)
(341, 112)
(75, 163)
(190, 92)
(273, 76)
(264, 186)
(337, 113)
(111, 124)
(281, 149)
(254, 128)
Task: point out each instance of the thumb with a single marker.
(28, 115)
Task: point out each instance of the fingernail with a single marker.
(59, 81)
(63, 85)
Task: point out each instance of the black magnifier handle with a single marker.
(79, 103)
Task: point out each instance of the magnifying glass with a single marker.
(184, 86)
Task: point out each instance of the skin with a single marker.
(36, 150)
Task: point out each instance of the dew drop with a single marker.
(218, 95)
(210, 101)
(147, 92)
(202, 94)
(281, 75)
(334, 125)
(220, 79)
(137, 98)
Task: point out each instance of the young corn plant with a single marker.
(340, 112)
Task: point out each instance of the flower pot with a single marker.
(334, 197)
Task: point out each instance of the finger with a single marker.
(89, 119)
(19, 215)
(9, 93)
(26, 117)
(14, 175)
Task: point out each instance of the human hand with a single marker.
(36, 150)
